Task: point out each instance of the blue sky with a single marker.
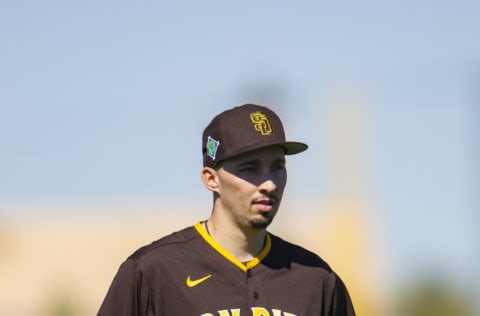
(106, 100)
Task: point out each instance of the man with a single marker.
(229, 265)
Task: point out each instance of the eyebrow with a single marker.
(249, 162)
(254, 161)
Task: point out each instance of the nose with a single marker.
(268, 186)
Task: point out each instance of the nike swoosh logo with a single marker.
(192, 283)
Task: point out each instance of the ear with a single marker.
(210, 179)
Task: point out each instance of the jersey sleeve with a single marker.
(341, 302)
(128, 294)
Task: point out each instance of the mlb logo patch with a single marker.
(212, 146)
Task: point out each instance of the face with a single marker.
(250, 186)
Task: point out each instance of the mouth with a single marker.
(265, 204)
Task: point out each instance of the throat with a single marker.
(244, 246)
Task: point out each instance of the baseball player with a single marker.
(229, 264)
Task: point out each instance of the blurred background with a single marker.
(102, 106)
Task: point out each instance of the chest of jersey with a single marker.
(211, 286)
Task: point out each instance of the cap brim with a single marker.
(292, 148)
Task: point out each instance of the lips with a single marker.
(265, 205)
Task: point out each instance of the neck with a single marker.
(243, 244)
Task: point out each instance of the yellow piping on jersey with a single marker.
(250, 265)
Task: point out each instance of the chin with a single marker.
(261, 223)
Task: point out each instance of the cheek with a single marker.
(236, 189)
(282, 181)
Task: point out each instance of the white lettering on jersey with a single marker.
(255, 311)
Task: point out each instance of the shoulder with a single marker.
(287, 253)
(166, 245)
(305, 265)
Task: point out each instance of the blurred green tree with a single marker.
(433, 297)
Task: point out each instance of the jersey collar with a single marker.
(245, 267)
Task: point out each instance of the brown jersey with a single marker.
(187, 273)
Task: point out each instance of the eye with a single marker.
(280, 166)
(248, 168)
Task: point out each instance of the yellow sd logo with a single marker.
(261, 123)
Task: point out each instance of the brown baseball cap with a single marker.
(243, 129)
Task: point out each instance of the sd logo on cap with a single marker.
(243, 129)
